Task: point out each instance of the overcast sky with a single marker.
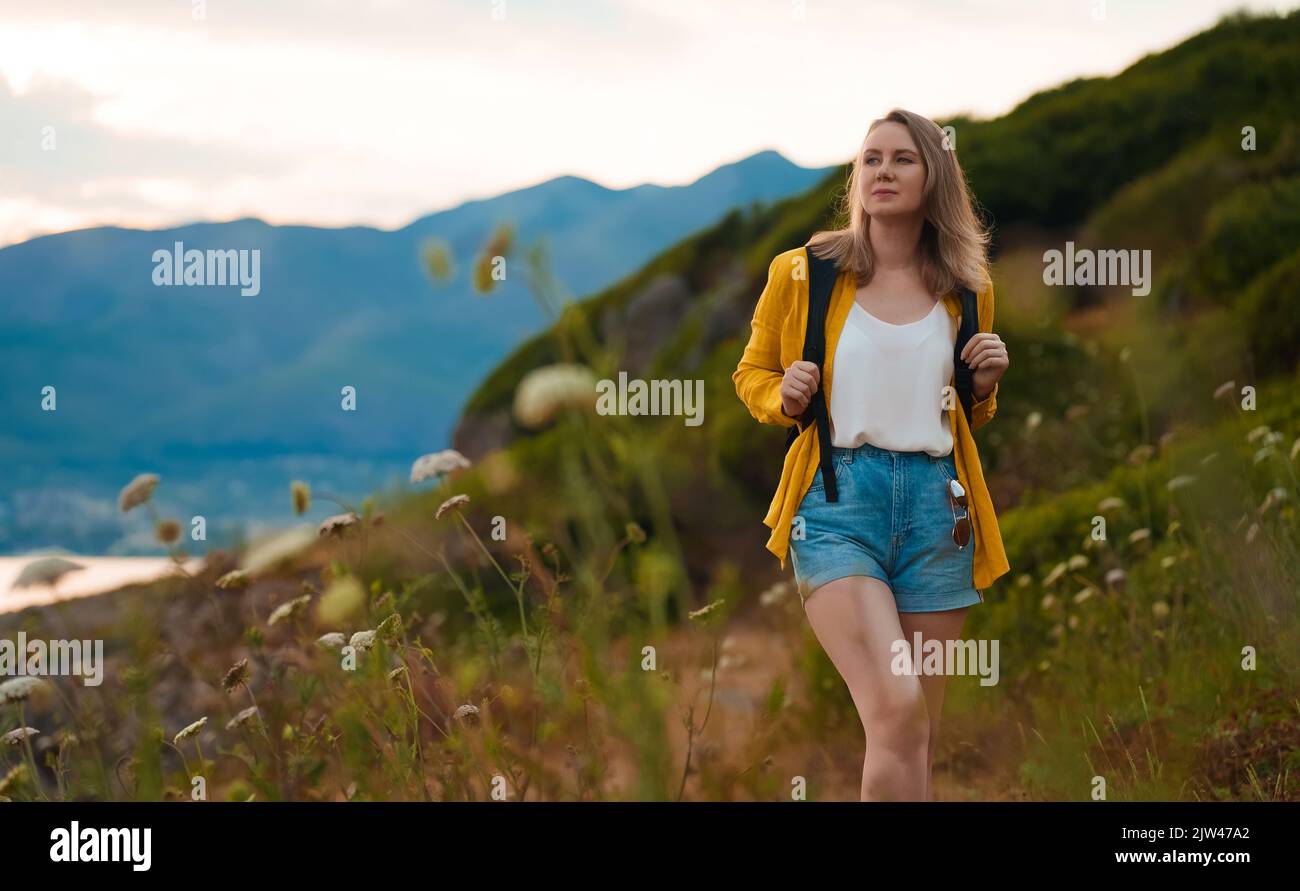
(336, 112)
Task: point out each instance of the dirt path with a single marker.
(968, 766)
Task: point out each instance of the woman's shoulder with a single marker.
(786, 274)
(787, 263)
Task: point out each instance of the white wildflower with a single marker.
(288, 610)
(334, 640)
(20, 689)
(451, 503)
(545, 392)
(189, 731)
(438, 464)
(15, 737)
(1141, 454)
(137, 491)
(246, 716)
(336, 524)
(236, 578)
(1057, 571)
(1276, 495)
(362, 640)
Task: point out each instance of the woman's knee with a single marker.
(900, 717)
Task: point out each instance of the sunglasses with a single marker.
(960, 522)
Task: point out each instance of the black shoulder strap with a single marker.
(961, 371)
(822, 274)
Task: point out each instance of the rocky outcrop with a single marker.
(648, 319)
(477, 434)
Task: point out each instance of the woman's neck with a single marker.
(894, 242)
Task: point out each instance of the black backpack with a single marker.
(822, 274)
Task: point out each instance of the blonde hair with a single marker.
(954, 242)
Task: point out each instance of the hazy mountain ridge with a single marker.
(143, 371)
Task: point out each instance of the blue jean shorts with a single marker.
(893, 522)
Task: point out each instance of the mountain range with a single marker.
(229, 393)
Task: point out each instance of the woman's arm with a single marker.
(759, 374)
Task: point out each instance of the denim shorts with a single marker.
(893, 522)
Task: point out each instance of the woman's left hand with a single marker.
(986, 355)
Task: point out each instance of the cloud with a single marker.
(60, 168)
(377, 111)
(97, 151)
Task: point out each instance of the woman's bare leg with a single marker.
(942, 626)
(856, 622)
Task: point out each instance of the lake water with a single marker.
(75, 507)
(100, 574)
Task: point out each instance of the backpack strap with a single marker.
(822, 275)
(965, 378)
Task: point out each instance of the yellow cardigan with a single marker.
(776, 341)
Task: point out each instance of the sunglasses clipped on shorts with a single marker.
(960, 522)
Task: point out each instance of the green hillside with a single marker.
(1149, 158)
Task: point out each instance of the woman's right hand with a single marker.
(798, 386)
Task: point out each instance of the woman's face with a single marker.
(893, 174)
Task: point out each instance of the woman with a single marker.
(895, 554)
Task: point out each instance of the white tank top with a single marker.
(889, 383)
